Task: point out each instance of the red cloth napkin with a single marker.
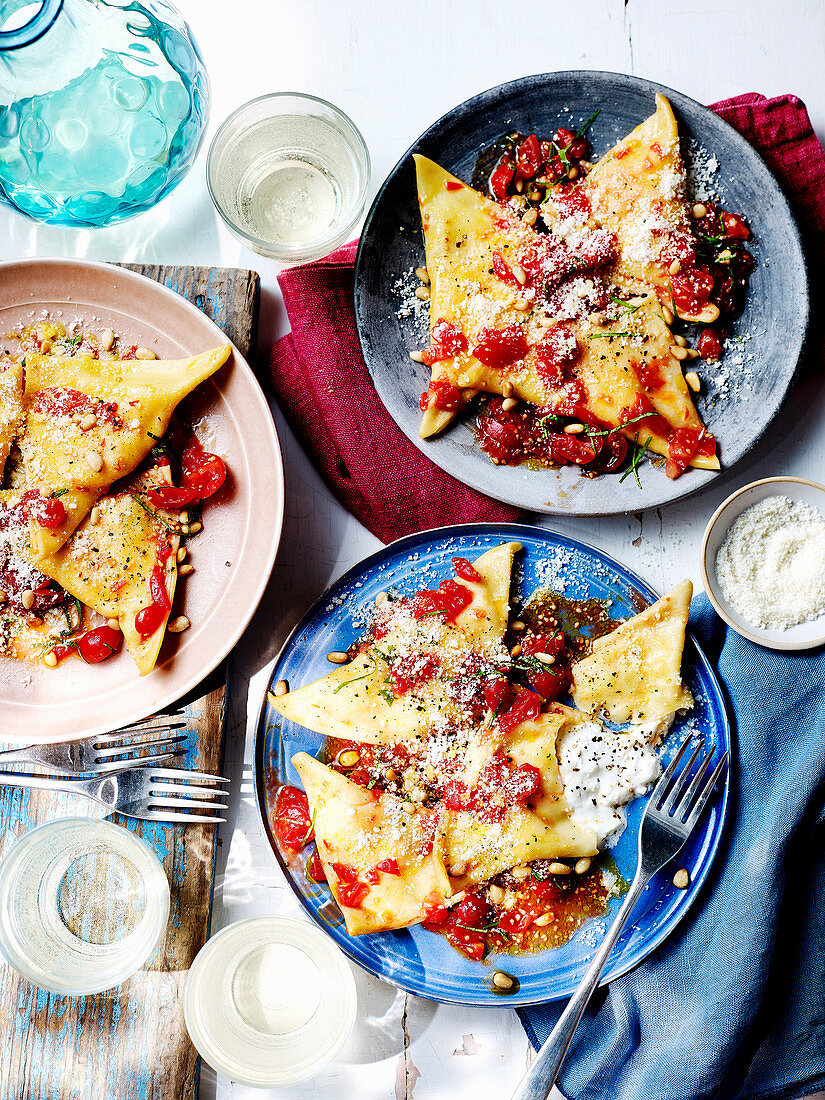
(321, 382)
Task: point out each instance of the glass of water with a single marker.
(289, 173)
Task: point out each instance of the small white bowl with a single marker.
(798, 489)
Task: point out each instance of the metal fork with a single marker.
(668, 821)
(105, 752)
(148, 793)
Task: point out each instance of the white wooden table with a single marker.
(394, 68)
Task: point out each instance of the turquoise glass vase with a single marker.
(103, 107)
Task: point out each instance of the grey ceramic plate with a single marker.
(743, 393)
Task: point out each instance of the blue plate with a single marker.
(739, 397)
(423, 962)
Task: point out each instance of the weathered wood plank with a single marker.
(130, 1043)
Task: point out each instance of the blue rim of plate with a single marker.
(424, 963)
(386, 339)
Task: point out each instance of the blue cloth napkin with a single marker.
(732, 1006)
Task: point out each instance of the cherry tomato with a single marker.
(449, 600)
(442, 394)
(528, 158)
(551, 683)
(500, 348)
(293, 824)
(446, 341)
(472, 909)
(501, 179)
(96, 645)
(49, 512)
(466, 570)
(526, 707)
(498, 693)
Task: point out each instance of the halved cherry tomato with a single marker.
(293, 824)
(466, 570)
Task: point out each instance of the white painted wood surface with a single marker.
(394, 68)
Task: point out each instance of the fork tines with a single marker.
(115, 750)
(684, 799)
(181, 790)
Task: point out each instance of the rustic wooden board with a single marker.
(130, 1043)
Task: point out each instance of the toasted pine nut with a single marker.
(50, 659)
(144, 353)
(573, 173)
(668, 315)
(699, 210)
(530, 216)
(522, 305)
(495, 894)
(677, 352)
(94, 515)
(94, 461)
(693, 380)
(519, 186)
(177, 626)
(520, 872)
(574, 429)
(106, 339)
(195, 527)
(381, 598)
(509, 403)
(545, 658)
(422, 274)
(502, 980)
(349, 757)
(543, 920)
(680, 340)
(520, 274)
(559, 869)
(534, 194)
(517, 626)
(184, 528)
(709, 314)
(181, 554)
(515, 651)
(183, 517)
(281, 688)
(692, 353)
(46, 347)
(675, 267)
(681, 879)
(506, 389)
(87, 421)
(725, 257)
(423, 292)
(582, 865)
(456, 870)
(417, 356)
(185, 570)
(113, 624)
(338, 657)
(27, 598)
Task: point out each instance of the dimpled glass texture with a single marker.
(102, 114)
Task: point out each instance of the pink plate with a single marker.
(234, 554)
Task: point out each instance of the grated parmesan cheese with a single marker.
(771, 565)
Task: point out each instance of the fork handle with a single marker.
(22, 755)
(540, 1077)
(91, 788)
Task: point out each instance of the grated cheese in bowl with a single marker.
(771, 564)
